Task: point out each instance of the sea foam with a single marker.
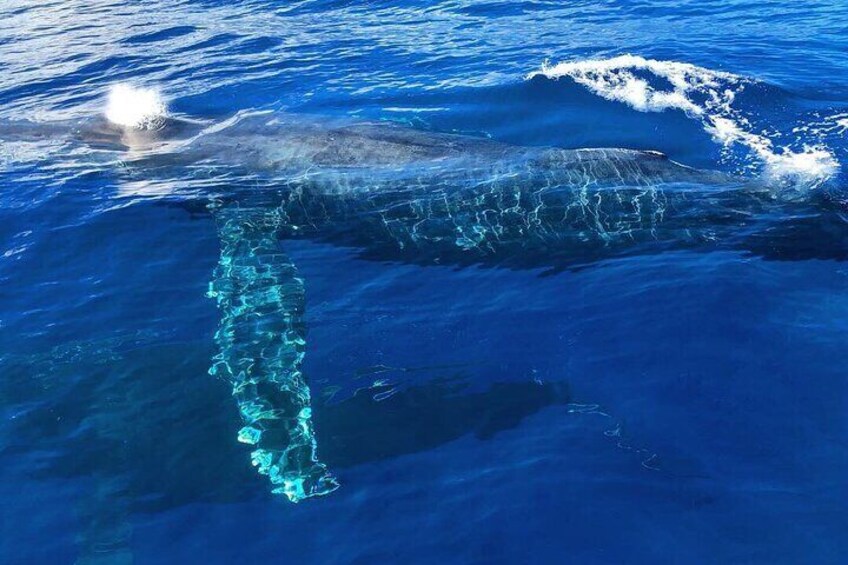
(134, 107)
(650, 85)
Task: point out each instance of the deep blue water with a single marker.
(680, 407)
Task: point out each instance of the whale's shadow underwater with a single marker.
(130, 425)
(136, 418)
(397, 194)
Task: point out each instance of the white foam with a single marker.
(133, 107)
(702, 94)
(812, 163)
(836, 124)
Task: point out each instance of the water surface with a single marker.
(678, 407)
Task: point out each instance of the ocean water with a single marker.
(673, 403)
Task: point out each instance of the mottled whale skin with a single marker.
(397, 194)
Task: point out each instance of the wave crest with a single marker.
(650, 85)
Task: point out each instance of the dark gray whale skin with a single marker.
(394, 193)
(397, 194)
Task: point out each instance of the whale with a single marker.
(394, 193)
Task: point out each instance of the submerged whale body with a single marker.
(394, 193)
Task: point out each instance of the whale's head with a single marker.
(135, 120)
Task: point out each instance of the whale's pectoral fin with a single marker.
(261, 341)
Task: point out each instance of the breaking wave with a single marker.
(650, 85)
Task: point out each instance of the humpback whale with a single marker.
(398, 194)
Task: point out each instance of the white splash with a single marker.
(811, 165)
(835, 125)
(703, 94)
(840, 123)
(136, 108)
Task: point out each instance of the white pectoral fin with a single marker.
(261, 341)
